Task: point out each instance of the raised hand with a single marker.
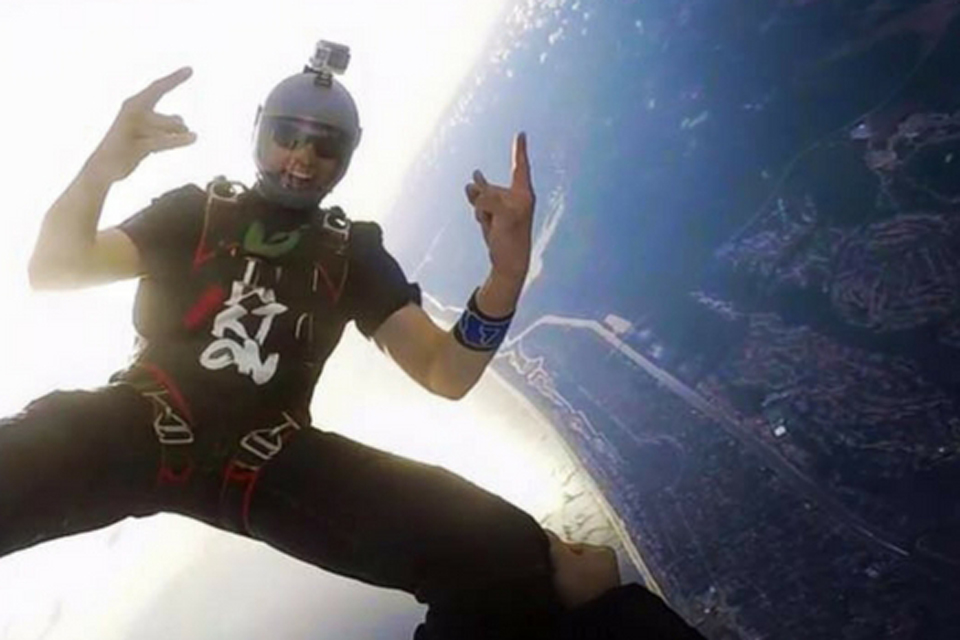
(138, 131)
(505, 214)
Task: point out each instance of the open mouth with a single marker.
(296, 179)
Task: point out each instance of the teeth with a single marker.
(302, 175)
(295, 180)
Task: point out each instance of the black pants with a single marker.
(79, 460)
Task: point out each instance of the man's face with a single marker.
(302, 156)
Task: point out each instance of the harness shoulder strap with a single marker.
(225, 194)
(336, 230)
(224, 191)
(222, 194)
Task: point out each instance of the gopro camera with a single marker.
(329, 58)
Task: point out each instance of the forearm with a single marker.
(70, 225)
(456, 369)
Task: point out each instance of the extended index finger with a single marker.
(150, 96)
(521, 164)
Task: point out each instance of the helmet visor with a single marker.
(294, 133)
(301, 157)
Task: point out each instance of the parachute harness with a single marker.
(173, 422)
(240, 474)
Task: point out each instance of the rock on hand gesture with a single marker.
(138, 131)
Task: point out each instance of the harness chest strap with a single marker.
(224, 194)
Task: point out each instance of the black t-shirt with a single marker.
(242, 304)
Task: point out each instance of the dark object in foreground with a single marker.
(629, 612)
(626, 612)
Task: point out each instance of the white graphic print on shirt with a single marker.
(241, 349)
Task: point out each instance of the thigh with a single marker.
(395, 522)
(73, 461)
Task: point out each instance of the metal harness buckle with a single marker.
(337, 227)
(266, 443)
(169, 426)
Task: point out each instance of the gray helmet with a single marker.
(315, 98)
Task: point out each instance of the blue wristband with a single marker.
(479, 332)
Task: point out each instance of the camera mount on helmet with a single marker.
(328, 59)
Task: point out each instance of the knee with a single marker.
(582, 572)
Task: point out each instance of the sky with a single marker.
(66, 66)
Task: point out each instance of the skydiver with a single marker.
(242, 296)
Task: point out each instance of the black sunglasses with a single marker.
(327, 142)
